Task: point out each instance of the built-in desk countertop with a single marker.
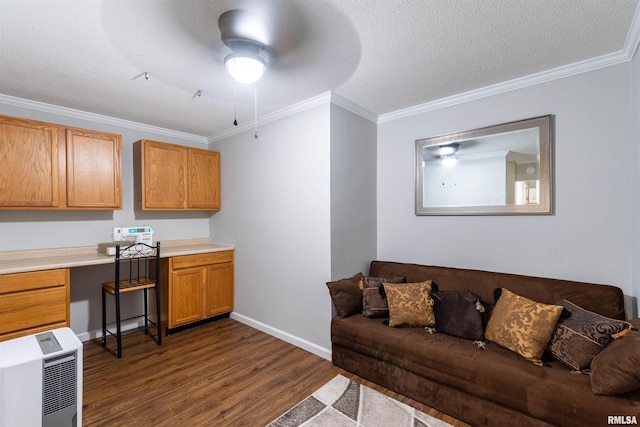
(48, 259)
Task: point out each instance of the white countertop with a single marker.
(47, 259)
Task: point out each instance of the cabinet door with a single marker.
(29, 163)
(163, 175)
(94, 178)
(204, 179)
(219, 289)
(185, 291)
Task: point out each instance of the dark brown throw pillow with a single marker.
(374, 304)
(459, 313)
(346, 295)
(616, 370)
(581, 336)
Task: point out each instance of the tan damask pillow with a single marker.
(522, 325)
(410, 304)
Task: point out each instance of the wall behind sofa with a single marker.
(635, 123)
(589, 236)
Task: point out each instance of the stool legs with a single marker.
(118, 325)
(104, 318)
(158, 314)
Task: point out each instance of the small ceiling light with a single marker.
(245, 68)
(449, 149)
(449, 161)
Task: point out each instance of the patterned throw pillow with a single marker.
(410, 304)
(522, 325)
(459, 313)
(346, 295)
(374, 303)
(580, 337)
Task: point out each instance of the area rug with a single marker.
(344, 402)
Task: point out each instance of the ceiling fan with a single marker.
(246, 34)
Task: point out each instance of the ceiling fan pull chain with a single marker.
(235, 102)
(255, 109)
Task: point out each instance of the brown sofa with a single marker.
(483, 387)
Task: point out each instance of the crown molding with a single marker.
(271, 117)
(83, 115)
(323, 98)
(626, 54)
(510, 85)
(348, 105)
(633, 35)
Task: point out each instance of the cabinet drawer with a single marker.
(31, 331)
(30, 309)
(187, 261)
(35, 280)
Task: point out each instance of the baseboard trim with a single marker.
(97, 333)
(285, 336)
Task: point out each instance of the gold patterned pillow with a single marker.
(522, 325)
(410, 304)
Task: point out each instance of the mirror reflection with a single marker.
(503, 169)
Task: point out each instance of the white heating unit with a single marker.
(41, 380)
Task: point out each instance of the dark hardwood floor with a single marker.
(219, 374)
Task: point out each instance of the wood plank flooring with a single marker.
(219, 374)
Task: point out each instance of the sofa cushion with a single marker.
(410, 304)
(616, 370)
(374, 304)
(346, 295)
(459, 313)
(522, 325)
(581, 336)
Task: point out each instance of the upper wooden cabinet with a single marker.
(94, 179)
(29, 164)
(203, 186)
(174, 177)
(49, 166)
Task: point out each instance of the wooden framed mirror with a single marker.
(504, 169)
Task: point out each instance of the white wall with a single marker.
(23, 230)
(353, 193)
(588, 238)
(635, 129)
(276, 210)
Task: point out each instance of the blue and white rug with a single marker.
(344, 402)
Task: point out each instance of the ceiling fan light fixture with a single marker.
(245, 68)
(449, 149)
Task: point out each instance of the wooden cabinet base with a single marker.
(195, 288)
(169, 331)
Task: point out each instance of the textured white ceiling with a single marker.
(383, 55)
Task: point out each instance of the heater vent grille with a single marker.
(59, 383)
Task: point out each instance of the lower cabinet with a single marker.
(33, 302)
(196, 287)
